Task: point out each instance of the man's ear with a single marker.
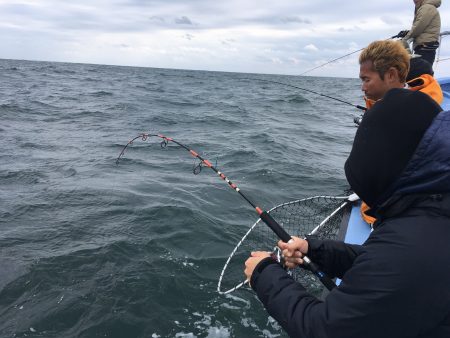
(392, 75)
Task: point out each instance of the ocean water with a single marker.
(89, 248)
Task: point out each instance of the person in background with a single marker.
(396, 284)
(425, 29)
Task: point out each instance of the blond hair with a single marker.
(385, 55)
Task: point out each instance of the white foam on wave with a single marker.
(218, 332)
(185, 335)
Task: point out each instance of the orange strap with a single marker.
(367, 218)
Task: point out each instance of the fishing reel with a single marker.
(277, 255)
(357, 120)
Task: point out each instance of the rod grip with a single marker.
(326, 281)
(285, 237)
(276, 228)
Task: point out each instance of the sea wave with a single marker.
(99, 246)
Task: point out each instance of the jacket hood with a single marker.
(396, 149)
(435, 3)
(428, 171)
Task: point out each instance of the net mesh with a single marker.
(319, 215)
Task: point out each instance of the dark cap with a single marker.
(417, 67)
(385, 142)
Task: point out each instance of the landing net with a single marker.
(319, 215)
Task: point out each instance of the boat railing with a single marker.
(441, 35)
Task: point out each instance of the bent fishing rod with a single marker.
(264, 215)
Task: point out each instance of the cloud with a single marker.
(311, 48)
(251, 36)
(227, 41)
(157, 19)
(184, 20)
(277, 61)
(349, 29)
(391, 20)
(295, 19)
(294, 60)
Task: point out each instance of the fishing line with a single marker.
(310, 91)
(341, 57)
(263, 215)
(331, 61)
(356, 120)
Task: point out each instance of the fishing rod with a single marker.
(331, 61)
(399, 35)
(264, 215)
(310, 91)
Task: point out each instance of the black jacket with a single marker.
(397, 284)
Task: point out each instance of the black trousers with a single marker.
(427, 51)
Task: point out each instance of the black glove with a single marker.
(402, 34)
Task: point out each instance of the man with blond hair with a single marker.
(383, 65)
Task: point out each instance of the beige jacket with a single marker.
(426, 25)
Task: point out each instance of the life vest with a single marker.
(426, 84)
(369, 102)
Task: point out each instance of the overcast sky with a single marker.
(253, 36)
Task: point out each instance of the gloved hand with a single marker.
(402, 34)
